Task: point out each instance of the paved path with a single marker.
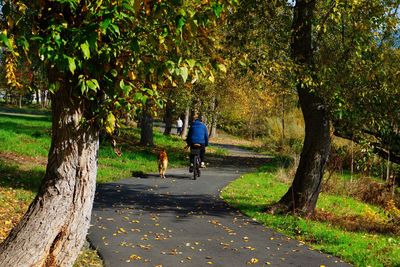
(148, 221)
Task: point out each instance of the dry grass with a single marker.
(369, 222)
(227, 139)
(15, 197)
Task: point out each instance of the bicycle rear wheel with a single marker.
(194, 167)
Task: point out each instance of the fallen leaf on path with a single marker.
(135, 257)
(253, 261)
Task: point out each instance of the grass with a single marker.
(24, 145)
(360, 247)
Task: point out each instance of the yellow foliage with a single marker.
(110, 123)
(10, 72)
(392, 211)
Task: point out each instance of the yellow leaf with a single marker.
(135, 257)
(211, 78)
(222, 68)
(252, 261)
(110, 123)
(132, 75)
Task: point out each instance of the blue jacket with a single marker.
(198, 134)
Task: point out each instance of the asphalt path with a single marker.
(177, 221)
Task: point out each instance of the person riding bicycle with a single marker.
(197, 139)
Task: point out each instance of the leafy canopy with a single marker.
(113, 53)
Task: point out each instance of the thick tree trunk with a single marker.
(303, 194)
(53, 230)
(146, 123)
(186, 123)
(168, 118)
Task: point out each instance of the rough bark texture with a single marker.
(146, 123)
(302, 196)
(168, 118)
(54, 228)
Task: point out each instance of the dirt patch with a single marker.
(23, 160)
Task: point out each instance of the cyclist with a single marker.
(198, 135)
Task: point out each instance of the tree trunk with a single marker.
(146, 123)
(213, 128)
(37, 97)
(168, 118)
(53, 230)
(213, 131)
(303, 194)
(186, 123)
(283, 121)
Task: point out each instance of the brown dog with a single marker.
(162, 163)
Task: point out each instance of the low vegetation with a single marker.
(344, 225)
(24, 144)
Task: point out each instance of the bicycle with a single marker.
(195, 155)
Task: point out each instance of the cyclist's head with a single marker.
(196, 116)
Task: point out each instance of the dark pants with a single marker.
(202, 152)
(178, 130)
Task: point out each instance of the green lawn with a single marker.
(29, 137)
(360, 247)
(24, 145)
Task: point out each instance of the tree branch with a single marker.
(378, 149)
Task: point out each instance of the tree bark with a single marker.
(213, 128)
(283, 121)
(302, 196)
(168, 118)
(186, 122)
(146, 123)
(53, 230)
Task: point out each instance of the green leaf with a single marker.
(53, 87)
(115, 29)
(104, 25)
(184, 73)
(4, 39)
(170, 65)
(191, 62)
(85, 50)
(114, 72)
(93, 84)
(126, 88)
(180, 22)
(217, 8)
(71, 65)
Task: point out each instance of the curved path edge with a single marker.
(148, 221)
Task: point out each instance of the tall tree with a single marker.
(337, 71)
(303, 193)
(98, 56)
